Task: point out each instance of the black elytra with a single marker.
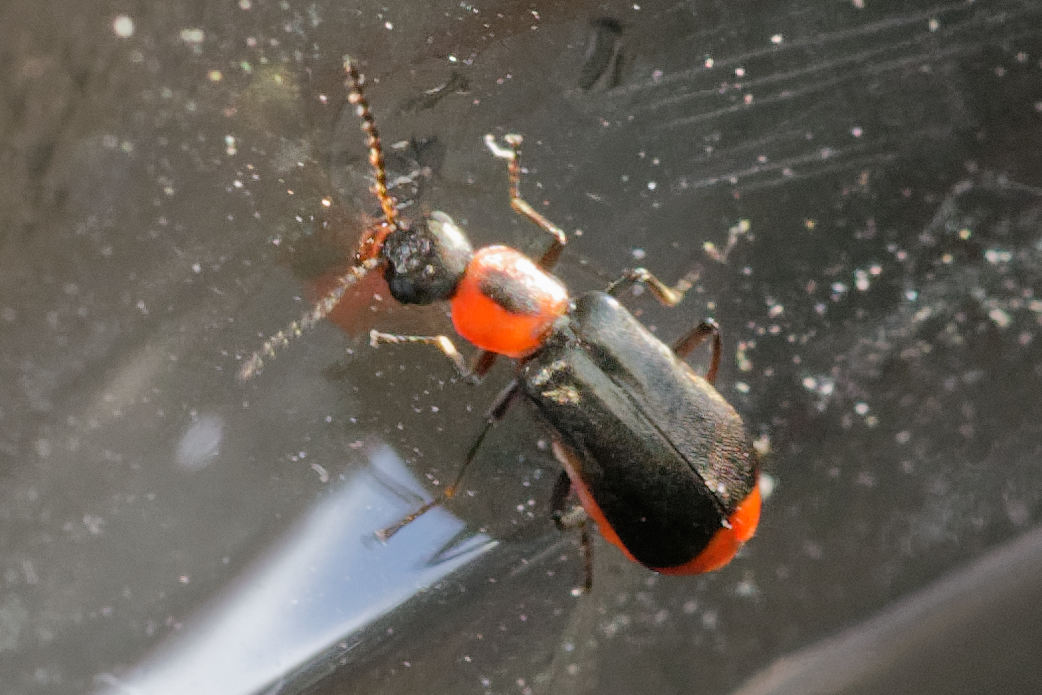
(664, 456)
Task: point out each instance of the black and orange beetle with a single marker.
(658, 459)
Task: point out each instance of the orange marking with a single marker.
(717, 553)
(372, 241)
(725, 542)
(594, 510)
(489, 325)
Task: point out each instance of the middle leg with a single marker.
(695, 337)
(671, 296)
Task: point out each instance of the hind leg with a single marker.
(571, 517)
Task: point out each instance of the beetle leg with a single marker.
(696, 337)
(495, 414)
(558, 502)
(512, 153)
(472, 373)
(443, 343)
(670, 296)
(567, 519)
(482, 363)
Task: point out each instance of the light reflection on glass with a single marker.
(327, 579)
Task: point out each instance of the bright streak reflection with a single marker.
(327, 579)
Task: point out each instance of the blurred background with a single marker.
(178, 180)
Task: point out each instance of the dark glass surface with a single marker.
(179, 179)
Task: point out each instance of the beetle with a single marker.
(658, 459)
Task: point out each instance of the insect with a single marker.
(656, 456)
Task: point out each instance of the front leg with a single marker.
(442, 342)
(512, 153)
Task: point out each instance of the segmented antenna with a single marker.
(376, 155)
(318, 312)
(324, 306)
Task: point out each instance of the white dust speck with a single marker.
(123, 26)
(192, 36)
(200, 443)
